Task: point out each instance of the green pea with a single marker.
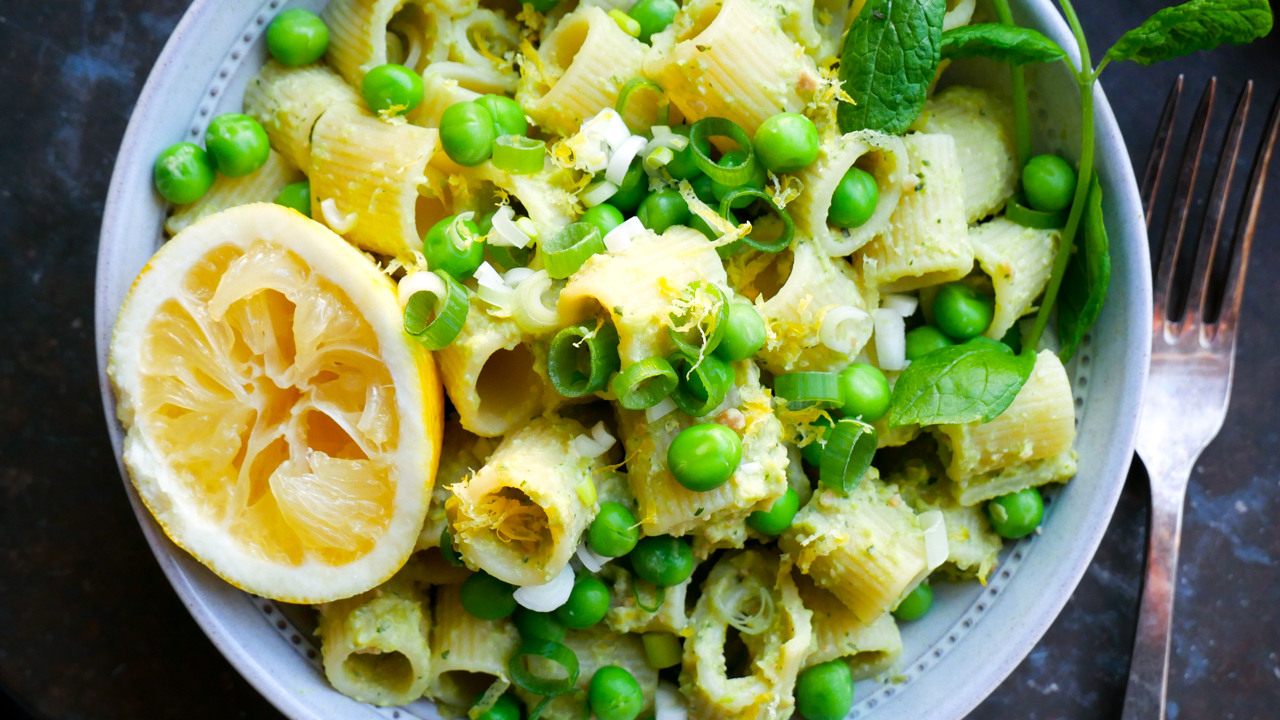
(704, 457)
(924, 340)
(1017, 514)
(614, 694)
(755, 182)
(633, 190)
(1013, 339)
(812, 453)
(508, 116)
(916, 604)
(786, 142)
(682, 165)
(504, 708)
(1049, 183)
(183, 173)
(487, 597)
(663, 209)
(654, 16)
(854, 201)
(604, 216)
(392, 90)
(297, 196)
(543, 6)
(825, 691)
(962, 312)
(662, 560)
(532, 625)
(778, 517)
(864, 392)
(744, 335)
(237, 144)
(447, 549)
(614, 532)
(705, 192)
(587, 605)
(460, 256)
(297, 37)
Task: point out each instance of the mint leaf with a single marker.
(1084, 286)
(959, 384)
(1196, 25)
(888, 60)
(1002, 43)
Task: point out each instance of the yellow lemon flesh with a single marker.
(282, 428)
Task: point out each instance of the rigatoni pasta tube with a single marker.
(982, 126)
(471, 61)
(812, 285)
(1015, 478)
(860, 547)
(461, 455)
(375, 645)
(288, 101)
(626, 614)
(470, 654)
(358, 32)
(595, 648)
(1019, 261)
(883, 156)
(438, 95)
(578, 70)
(751, 591)
(636, 287)
(261, 185)
(868, 648)
(520, 517)
(717, 517)
(376, 171)
(731, 60)
(927, 242)
(542, 196)
(973, 548)
(1038, 424)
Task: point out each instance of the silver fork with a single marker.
(1192, 359)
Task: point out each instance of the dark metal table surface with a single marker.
(89, 628)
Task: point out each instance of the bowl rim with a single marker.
(977, 685)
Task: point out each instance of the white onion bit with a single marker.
(616, 131)
(619, 239)
(840, 327)
(515, 276)
(415, 283)
(661, 410)
(335, 219)
(668, 703)
(904, 305)
(891, 340)
(622, 157)
(595, 444)
(507, 233)
(598, 192)
(548, 596)
(488, 277)
(590, 559)
(750, 468)
(936, 547)
(601, 435)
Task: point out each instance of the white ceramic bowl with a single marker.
(954, 658)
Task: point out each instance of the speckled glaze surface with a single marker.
(952, 659)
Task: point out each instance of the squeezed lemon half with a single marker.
(282, 428)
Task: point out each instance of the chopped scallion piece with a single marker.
(778, 244)
(519, 155)
(568, 249)
(644, 384)
(582, 358)
(808, 389)
(525, 679)
(731, 175)
(436, 321)
(661, 649)
(703, 383)
(643, 104)
(704, 336)
(850, 444)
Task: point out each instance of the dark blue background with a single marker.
(89, 628)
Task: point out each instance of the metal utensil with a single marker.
(1192, 360)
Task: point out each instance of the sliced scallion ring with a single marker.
(702, 386)
(525, 679)
(710, 330)
(731, 175)
(642, 103)
(850, 445)
(778, 244)
(808, 389)
(568, 249)
(644, 384)
(1017, 211)
(582, 357)
(519, 155)
(435, 321)
(653, 596)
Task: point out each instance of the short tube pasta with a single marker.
(470, 654)
(626, 614)
(520, 517)
(359, 32)
(288, 102)
(261, 185)
(869, 648)
(927, 242)
(982, 126)
(883, 156)
(378, 171)
(597, 647)
(578, 70)
(1019, 261)
(470, 61)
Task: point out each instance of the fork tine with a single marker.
(1182, 200)
(1160, 149)
(1245, 226)
(1211, 230)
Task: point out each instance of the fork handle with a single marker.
(1144, 697)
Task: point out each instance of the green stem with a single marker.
(1021, 118)
(1085, 78)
